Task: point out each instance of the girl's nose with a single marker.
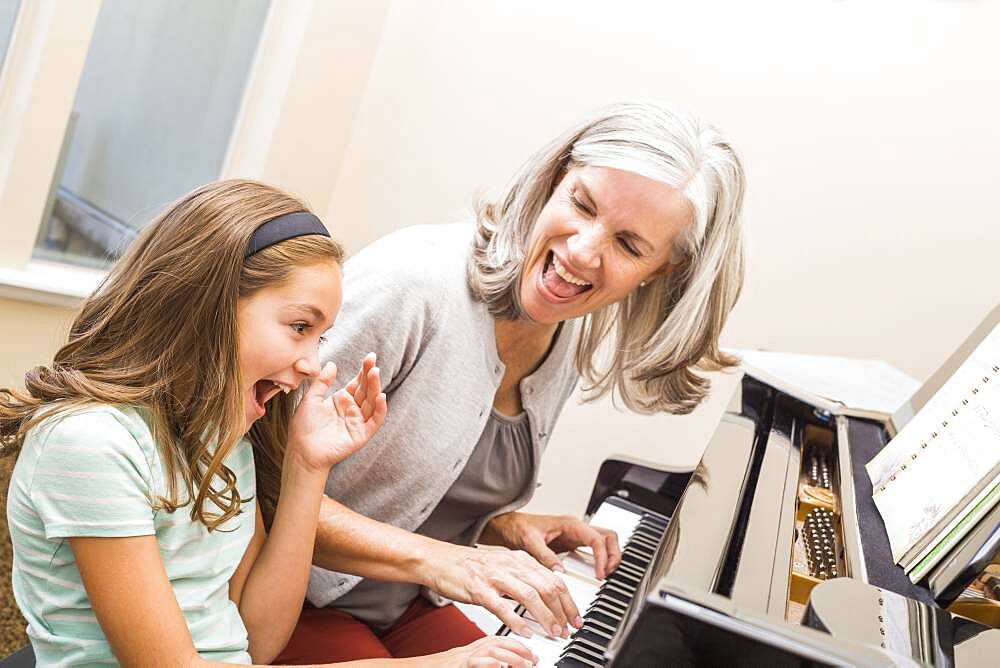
(309, 365)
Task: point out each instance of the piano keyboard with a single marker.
(605, 603)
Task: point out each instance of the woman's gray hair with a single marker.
(670, 327)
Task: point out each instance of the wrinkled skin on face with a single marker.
(602, 233)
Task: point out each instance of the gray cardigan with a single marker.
(406, 298)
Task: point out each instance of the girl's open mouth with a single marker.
(262, 392)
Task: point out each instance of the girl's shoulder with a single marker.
(93, 428)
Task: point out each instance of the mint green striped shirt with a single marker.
(97, 472)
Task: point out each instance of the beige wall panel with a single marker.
(31, 335)
(300, 106)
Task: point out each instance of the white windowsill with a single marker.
(49, 283)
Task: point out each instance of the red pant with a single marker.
(328, 635)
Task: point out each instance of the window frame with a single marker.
(289, 131)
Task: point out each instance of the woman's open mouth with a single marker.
(559, 282)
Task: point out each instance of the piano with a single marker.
(770, 552)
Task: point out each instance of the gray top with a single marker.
(406, 298)
(495, 475)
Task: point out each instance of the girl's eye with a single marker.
(300, 327)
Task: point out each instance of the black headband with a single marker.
(285, 227)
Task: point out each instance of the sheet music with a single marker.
(938, 409)
(943, 452)
(943, 473)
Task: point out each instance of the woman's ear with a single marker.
(667, 269)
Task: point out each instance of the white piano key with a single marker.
(582, 590)
(546, 648)
(616, 518)
(579, 563)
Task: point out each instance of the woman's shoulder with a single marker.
(419, 252)
(410, 270)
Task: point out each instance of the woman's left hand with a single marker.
(543, 536)
(324, 431)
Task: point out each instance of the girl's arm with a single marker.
(135, 605)
(270, 584)
(132, 598)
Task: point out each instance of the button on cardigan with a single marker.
(406, 298)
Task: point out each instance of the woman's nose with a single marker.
(585, 247)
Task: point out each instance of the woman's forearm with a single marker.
(349, 542)
(271, 601)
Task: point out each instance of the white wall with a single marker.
(868, 134)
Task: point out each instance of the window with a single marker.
(156, 105)
(8, 13)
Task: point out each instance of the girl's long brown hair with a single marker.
(160, 333)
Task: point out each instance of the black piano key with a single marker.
(652, 525)
(586, 644)
(629, 567)
(611, 596)
(622, 581)
(602, 616)
(617, 590)
(638, 553)
(643, 541)
(600, 606)
(583, 651)
(599, 627)
(637, 558)
(592, 639)
(608, 616)
(626, 576)
(624, 586)
(611, 604)
(580, 659)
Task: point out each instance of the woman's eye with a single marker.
(629, 248)
(580, 206)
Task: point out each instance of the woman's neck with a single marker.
(522, 343)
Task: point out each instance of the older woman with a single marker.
(625, 231)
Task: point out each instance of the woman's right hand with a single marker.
(498, 580)
(488, 652)
(324, 431)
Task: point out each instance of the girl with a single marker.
(153, 447)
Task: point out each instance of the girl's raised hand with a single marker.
(324, 431)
